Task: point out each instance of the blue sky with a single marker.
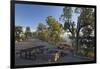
(32, 15)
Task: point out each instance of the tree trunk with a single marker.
(77, 38)
(77, 41)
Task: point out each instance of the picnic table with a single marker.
(42, 53)
(30, 53)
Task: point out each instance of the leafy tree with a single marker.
(34, 34)
(53, 24)
(85, 19)
(55, 29)
(69, 25)
(67, 14)
(41, 27)
(28, 33)
(18, 32)
(42, 32)
(87, 31)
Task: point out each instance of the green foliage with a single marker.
(41, 27)
(42, 32)
(69, 25)
(87, 31)
(20, 35)
(43, 35)
(66, 25)
(18, 32)
(53, 24)
(34, 34)
(86, 17)
(50, 32)
(85, 25)
(67, 13)
(55, 29)
(28, 33)
(85, 22)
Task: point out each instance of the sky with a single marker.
(32, 15)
